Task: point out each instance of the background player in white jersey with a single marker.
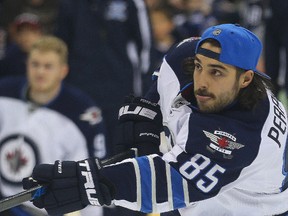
(43, 119)
(228, 140)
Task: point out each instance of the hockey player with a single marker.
(228, 140)
(42, 119)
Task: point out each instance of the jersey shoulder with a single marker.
(12, 86)
(76, 105)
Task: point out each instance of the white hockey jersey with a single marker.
(231, 163)
(68, 128)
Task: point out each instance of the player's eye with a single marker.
(216, 72)
(34, 64)
(48, 66)
(198, 67)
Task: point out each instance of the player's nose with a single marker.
(202, 80)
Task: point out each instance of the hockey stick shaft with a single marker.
(27, 195)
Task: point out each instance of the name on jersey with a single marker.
(222, 142)
(279, 122)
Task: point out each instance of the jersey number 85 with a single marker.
(197, 164)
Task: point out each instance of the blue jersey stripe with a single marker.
(146, 184)
(177, 189)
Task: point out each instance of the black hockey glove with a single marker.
(140, 125)
(71, 186)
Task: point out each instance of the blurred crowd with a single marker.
(171, 21)
(114, 46)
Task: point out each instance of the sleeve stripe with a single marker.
(178, 189)
(186, 192)
(138, 184)
(153, 175)
(146, 183)
(169, 186)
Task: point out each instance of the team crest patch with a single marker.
(222, 142)
(18, 156)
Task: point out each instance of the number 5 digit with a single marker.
(210, 175)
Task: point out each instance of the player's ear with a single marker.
(246, 78)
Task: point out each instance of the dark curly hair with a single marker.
(250, 96)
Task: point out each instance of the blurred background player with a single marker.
(163, 33)
(46, 10)
(195, 18)
(109, 46)
(43, 119)
(276, 43)
(25, 30)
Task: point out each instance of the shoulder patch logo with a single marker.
(93, 115)
(222, 142)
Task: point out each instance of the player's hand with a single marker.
(71, 186)
(140, 125)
